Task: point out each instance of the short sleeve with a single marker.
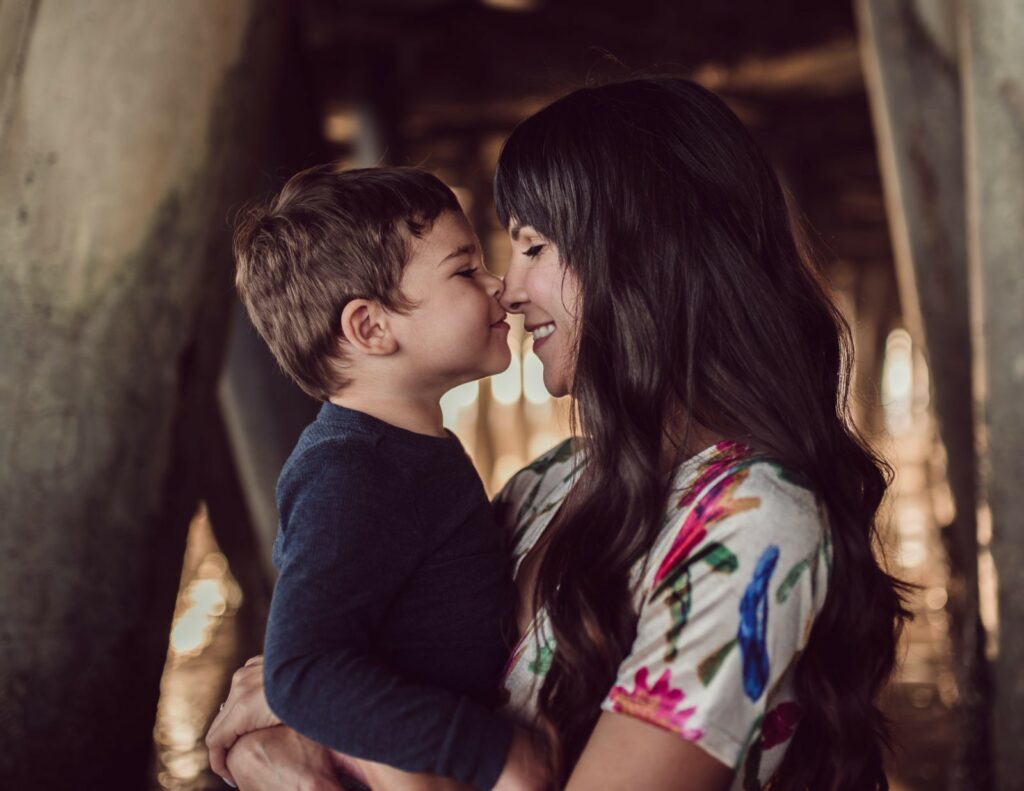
(725, 607)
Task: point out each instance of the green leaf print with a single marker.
(787, 584)
(752, 735)
(541, 466)
(752, 767)
(521, 530)
(556, 455)
(710, 665)
(792, 476)
(679, 602)
(713, 553)
(721, 559)
(542, 662)
(527, 503)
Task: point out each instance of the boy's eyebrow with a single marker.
(466, 249)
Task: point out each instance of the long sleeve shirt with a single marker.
(388, 627)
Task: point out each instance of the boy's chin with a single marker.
(499, 366)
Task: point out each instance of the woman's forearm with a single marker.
(278, 757)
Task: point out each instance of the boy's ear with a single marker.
(364, 323)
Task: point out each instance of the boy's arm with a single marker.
(350, 544)
(273, 757)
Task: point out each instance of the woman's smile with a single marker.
(540, 332)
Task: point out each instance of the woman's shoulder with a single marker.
(536, 489)
(730, 592)
(552, 466)
(731, 479)
(734, 505)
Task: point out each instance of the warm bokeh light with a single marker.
(201, 654)
(457, 401)
(507, 387)
(898, 382)
(533, 379)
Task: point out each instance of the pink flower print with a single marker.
(658, 704)
(779, 724)
(690, 534)
(718, 504)
(727, 453)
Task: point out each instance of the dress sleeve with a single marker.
(726, 606)
(348, 545)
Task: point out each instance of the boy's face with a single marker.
(457, 331)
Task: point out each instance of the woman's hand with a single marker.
(244, 711)
(526, 768)
(276, 758)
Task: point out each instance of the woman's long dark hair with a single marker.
(696, 296)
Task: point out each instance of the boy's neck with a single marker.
(421, 415)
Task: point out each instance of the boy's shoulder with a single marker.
(326, 457)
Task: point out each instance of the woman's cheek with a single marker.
(538, 288)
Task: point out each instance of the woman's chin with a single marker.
(557, 386)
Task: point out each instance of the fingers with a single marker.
(221, 736)
(218, 741)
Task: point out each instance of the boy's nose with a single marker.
(497, 287)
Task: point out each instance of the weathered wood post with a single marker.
(911, 65)
(993, 82)
(127, 133)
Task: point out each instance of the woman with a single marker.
(700, 605)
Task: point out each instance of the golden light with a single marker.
(898, 382)
(533, 379)
(457, 401)
(507, 387)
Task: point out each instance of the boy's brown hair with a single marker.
(329, 236)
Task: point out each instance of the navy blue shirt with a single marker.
(387, 631)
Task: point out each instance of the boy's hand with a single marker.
(244, 711)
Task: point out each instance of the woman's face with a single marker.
(546, 292)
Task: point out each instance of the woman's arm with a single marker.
(274, 758)
(625, 753)
(728, 610)
(275, 751)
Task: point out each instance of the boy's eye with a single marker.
(534, 251)
(466, 272)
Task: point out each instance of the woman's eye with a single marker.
(534, 251)
(466, 272)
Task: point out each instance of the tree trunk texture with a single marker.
(127, 133)
(910, 57)
(993, 82)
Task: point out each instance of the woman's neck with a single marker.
(684, 438)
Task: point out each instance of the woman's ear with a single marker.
(364, 323)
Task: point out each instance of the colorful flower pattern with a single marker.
(659, 704)
(715, 617)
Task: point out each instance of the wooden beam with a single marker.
(910, 58)
(993, 82)
(127, 134)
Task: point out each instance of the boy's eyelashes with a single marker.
(466, 272)
(533, 250)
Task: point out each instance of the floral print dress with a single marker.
(726, 600)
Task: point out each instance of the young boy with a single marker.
(386, 636)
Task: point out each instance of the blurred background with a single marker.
(143, 423)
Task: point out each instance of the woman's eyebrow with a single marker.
(466, 249)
